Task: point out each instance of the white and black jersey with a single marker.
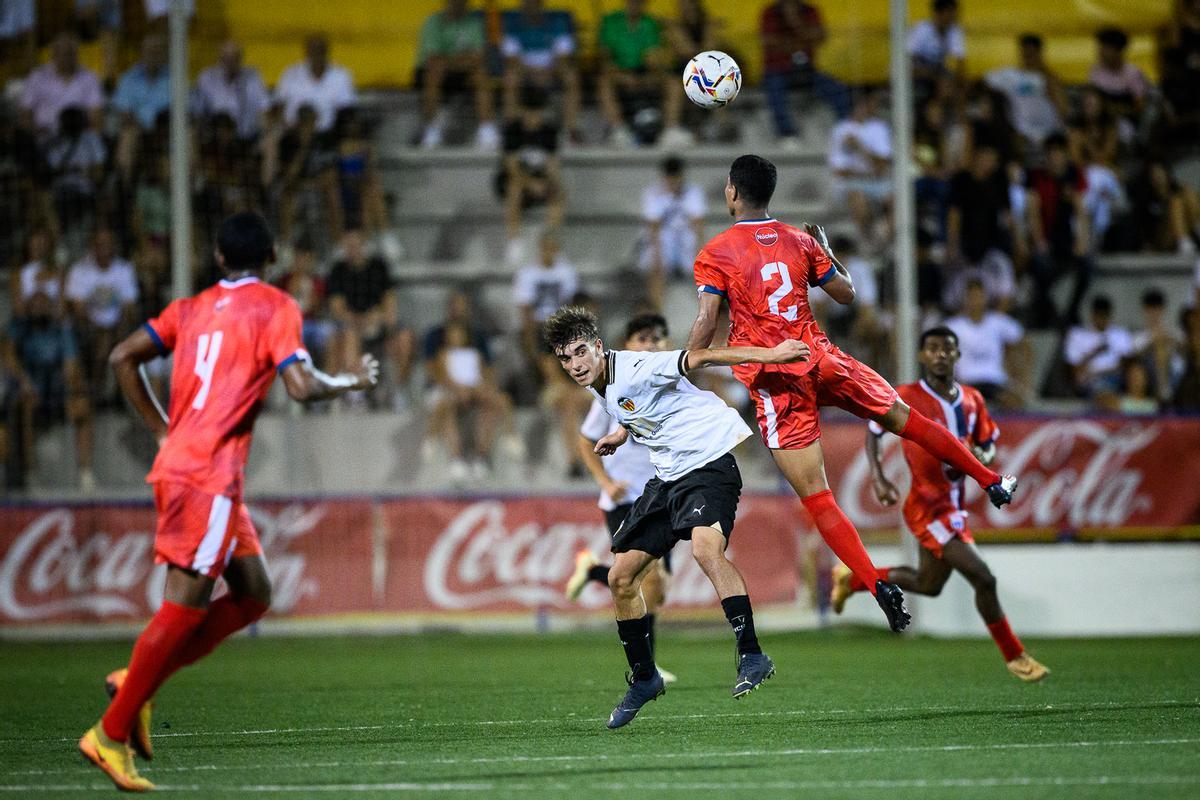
(682, 426)
(630, 463)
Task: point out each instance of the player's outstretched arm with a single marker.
(705, 326)
(786, 352)
(885, 491)
(305, 383)
(840, 287)
(126, 361)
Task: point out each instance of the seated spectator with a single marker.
(18, 44)
(1166, 213)
(673, 210)
(987, 125)
(1187, 392)
(363, 303)
(465, 390)
(1094, 353)
(303, 283)
(992, 344)
(1035, 94)
(48, 356)
(860, 157)
(1123, 84)
(102, 20)
(152, 203)
(306, 176)
(101, 292)
(459, 311)
(530, 172)
(360, 201)
(1179, 52)
(452, 55)
(1060, 234)
(144, 91)
(75, 159)
(539, 48)
(1136, 399)
(540, 289)
(39, 274)
(938, 50)
(791, 32)
(1092, 135)
(980, 231)
(315, 82)
(227, 177)
(632, 70)
(59, 84)
(230, 87)
(1158, 346)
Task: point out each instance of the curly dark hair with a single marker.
(570, 324)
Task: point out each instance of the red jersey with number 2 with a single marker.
(764, 269)
(229, 342)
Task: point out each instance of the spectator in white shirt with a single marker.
(1036, 98)
(60, 83)
(315, 82)
(673, 210)
(860, 152)
(102, 292)
(991, 343)
(1094, 353)
(542, 288)
(938, 48)
(230, 87)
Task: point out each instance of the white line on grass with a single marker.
(644, 757)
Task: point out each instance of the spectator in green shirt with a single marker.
(633, 64)
(452, 56)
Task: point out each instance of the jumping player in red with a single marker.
(229, 341)
(764, 269)
(933, 510)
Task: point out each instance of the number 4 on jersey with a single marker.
(781, 269)
(206, 361)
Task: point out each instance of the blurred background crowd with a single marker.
(1029, 188)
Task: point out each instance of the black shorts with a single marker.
(616, 516)
(668, 510)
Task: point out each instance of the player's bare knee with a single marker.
(983, 581)
(622, 583)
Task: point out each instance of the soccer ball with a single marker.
(712, 79)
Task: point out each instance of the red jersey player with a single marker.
(933, 510)
(228, 342)
(764, 269)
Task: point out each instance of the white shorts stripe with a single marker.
(210, 546)
(771, 421)
(940, 532)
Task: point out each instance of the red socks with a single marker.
(157, 647)
(942, 444)
(1010, 646)
(857, 585)
(226, 616)
(839, 533)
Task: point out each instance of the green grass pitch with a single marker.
(850, 714)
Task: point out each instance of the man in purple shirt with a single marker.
(60, 83)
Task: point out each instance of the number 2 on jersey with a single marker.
(206, 361)
(785, 288)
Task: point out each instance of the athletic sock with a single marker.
(635, 636)
(157, 648)
(226, 615)
(942, 444)
(858, 585)
(741, 618)
(599, 573)
(650, 633)
(839, 533)
(1010, 646)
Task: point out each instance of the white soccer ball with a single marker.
(712, 79)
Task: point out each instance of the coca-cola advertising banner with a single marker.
(83, 563)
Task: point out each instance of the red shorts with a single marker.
(932, 534)
(787, 405)
(200, 532)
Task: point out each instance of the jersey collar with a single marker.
(755, 221)
(957, 388)
(246, 281)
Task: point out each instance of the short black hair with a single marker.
(245, 241)
(570, 324)
(1101, 303)
(1113, 37)
(1154, 298)
(754, 177)
(940, 330)
(945, 5)
(672, 165)
(1031, 39)
(645, 322)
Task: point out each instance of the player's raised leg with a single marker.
(966, 559)
(645, 684)
(754, 666)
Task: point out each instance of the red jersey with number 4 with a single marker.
(937, 489)
(764, 268)
(229, 342)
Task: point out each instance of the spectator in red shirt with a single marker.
(1060, 232)
(792, 31)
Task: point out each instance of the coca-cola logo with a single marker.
(480, 559)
